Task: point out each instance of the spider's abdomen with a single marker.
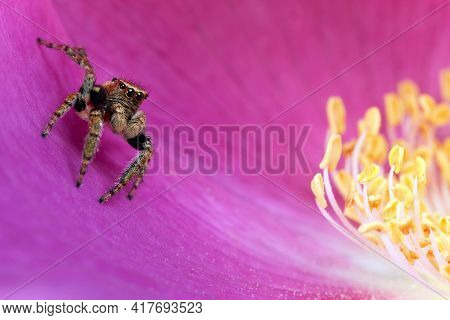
(140, 142)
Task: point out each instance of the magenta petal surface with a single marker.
(205, 62)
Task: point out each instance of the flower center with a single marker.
(394, 187)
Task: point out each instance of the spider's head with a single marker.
(126, 90)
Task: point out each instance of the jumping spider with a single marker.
(115, 102)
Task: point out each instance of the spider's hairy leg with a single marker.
(59, 112)
(137, 182)
(78, 55)
(134, 127)
(135, 169)
(92, 141)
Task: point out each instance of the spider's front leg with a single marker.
(79, 56)
(59, 113)
(92, 141)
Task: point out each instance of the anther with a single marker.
(396, 156)
(332, 153)
(369, 173)
(336, 115)
(372, 121)
(318, 190)
(394, 109)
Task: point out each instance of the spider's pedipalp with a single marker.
(119, 118)
(135, 125)
(92, 141)
(59, 113)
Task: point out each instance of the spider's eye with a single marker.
(122, 85)
(139, 96)
(114, 79)
(130, 92)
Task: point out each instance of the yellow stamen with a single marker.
(318, 190)
(404, 211)
(372, 226)
(406, 226)
(396, 158)
(336, 115)
(333, 153)
(374, 201)
(444, 225)
(344, 182)
(421, 170)
(408, 92)
(428, 104)
(394, 231)
(390, 210)
(348, 147)
(377, 186)
(445, 271)
(372, 121)
(440, 116)
(408, 89)
(394, 109)
(375, 149)
(404, 194)
(369, 173)
(375, 239)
